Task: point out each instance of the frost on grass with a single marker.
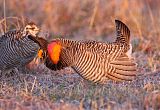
(41, 88)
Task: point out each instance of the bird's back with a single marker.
(16, 50)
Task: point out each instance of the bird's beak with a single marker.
(38, 30)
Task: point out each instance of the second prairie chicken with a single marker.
(16, 49)
(94, 61)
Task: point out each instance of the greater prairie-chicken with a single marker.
(93, 60)
(16, 49)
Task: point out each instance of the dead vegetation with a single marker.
(40, 88)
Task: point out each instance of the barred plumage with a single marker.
(94, 61)
(16, 49)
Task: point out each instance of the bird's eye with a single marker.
(33, 28)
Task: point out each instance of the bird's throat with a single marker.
(54, 51)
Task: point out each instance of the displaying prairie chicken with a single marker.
(94, 61)
(16, 49)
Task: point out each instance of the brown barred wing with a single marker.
(122, 68)
(90, 66)
(99, 67)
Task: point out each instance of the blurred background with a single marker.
(89, 19)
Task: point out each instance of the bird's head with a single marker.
(31, 29)
(54, 51)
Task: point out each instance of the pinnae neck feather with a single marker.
(54, 50)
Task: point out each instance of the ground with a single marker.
(45, 89)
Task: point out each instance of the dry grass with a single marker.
(42, 89)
